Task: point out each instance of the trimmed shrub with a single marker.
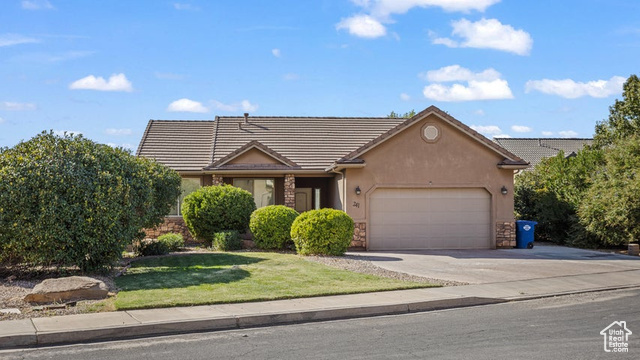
(68, 201)
(227, 241)
(271, 226)
(213, 209)
(173, 241)
(150, 247)
(322, 232)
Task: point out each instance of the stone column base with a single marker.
(505, 234)
(359, 236)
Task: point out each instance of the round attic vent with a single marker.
(430, 132)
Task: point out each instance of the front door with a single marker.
(303, 199)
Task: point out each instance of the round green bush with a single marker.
(213, 209)
(226, 241)
(173, 241)
(271, 226)
(68, 201)
(150, 247)
(322, 232)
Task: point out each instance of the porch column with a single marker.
(217, 180)
(290, 190)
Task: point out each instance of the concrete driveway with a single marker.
(491, 266)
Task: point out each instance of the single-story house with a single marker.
(533, 150)
(427, 182)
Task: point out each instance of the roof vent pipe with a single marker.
(239, 125)
(246, 118)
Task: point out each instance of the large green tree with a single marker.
(611, 207)
(66, 200)
(624, 116)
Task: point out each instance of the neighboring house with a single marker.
(428, 182)
(533, 150)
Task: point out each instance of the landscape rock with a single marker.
(72, 288)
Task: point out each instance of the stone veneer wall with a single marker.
(505, 234)
(359, 236)
(290, 190)
(217, 180)
(171, 224)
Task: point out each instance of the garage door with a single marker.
(429, 219)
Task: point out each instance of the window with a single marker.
(261, 189)
(188, 186)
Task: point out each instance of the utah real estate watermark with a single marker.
(616, 337)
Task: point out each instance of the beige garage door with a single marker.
(429, 219)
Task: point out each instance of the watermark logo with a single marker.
(616, 337)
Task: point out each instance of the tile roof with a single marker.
(301, 143)
(534, 150)
(182, 145)
(313, 143)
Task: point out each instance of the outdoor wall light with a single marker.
(358, 190)
(504, 190)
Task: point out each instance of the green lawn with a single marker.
(198, 279)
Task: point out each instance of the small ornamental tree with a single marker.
(214, 209)
(271, 226)
(322, 232)
(66, 200)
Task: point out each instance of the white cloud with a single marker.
(362, 26)
(276, 52)
(117, 82)
(243, 105)
(187, 105)
(487, 129)
(384, 8)
(51, 58)
(183, 6)
(485, 85)
(458, 73)
(488, 34)
(405, 97)
(16, 106)
(61, 133)
(547, 133)
(1, 120)
(125, 146)
(15, 39)
(291, 76)
(502, 136)
(117, 132)
(247, 106)
(475, 90)
(570, 89)
(568, 134)
(479, 112)
(521, 129)
(36, 5)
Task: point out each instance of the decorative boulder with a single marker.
(67, 289)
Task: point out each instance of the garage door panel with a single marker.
(429, 219)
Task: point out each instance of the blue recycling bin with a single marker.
(524, 234)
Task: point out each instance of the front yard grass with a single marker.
(212, 278)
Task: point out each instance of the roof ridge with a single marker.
(310, 117)
(535, 138)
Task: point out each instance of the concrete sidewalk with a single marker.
(154, 322)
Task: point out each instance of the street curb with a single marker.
(132, 331)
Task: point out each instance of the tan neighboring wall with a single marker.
(454, 160)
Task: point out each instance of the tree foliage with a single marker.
(66, 200)
(611, 209)
(592, 199)
(407, 115)
(624, 116)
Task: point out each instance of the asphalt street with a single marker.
(566, 327)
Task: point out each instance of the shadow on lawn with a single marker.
(179, 271)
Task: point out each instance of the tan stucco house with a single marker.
(428, 182)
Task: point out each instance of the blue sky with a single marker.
(505, 67)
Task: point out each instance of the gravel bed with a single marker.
(362, 264)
